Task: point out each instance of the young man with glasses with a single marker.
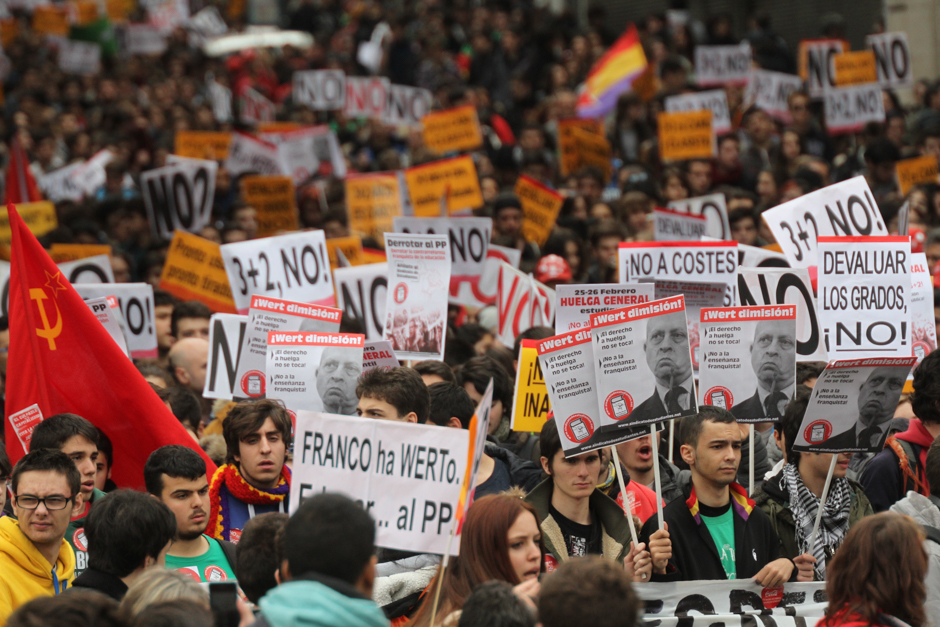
(35, 559)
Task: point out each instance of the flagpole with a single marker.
(440, 579)
(822, 502)
(750, 464)
(657, 482)
(623, 494)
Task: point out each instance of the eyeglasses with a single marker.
(53, 503)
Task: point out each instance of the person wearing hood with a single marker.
(35, 559)
(326, 577)
(925, 510)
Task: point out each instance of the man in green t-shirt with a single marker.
(77, 438)
(176, 475)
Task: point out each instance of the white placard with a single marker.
(676, 226)
(366, 97)
(321, 90)
(301, 152)
(79, 57)
(311, 371)
(60, 184)
(361, 294)
(407, 105)
(94, 269)
(698, 295)
(923, 327)
(221, 98)
(101, 307)
(136, 304)
(254, 108)
(770, 90)
(225, 341)
(179, 196)
(91, 175)
(714, 100)
(892, 59)
(487, 290)
(249, 155)
(849, 109)
(821, 64)
(521, 303)
(713, 208)
(378, 354)
(574, 304)
(720, 65)
(707, 262)
(144, 39)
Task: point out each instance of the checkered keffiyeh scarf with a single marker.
(805, 507)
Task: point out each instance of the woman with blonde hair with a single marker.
(159, 584)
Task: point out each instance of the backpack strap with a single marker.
(907, 461)
(228, 549)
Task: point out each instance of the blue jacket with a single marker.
(318, 601)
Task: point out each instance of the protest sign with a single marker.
(9, 29)
(487, 290)
(530, 404)
(293, 267)
(592, 150)
(817, 63)
(576, 303)
(274, 200)
(90, 176)
(452, 130)
(846, 208)
(769, 91)
(407, 477)
(714, 100)
(350, 248)
(194, 270)
(51, 20)
(892, 58)
(864, 288)
(478, 429)
(721, 65)
(361, 294)
(852, 405)
(226, 332)
(675, 226)
(855, 68)
(79, 57)
(144, 39)
(221, 99)
(848, 109)
(378, 354)
(686, 135)
(203, 144)
(540, 207)
(372, 201)
(366, 97)
(61, 184)
(321, 90)
(252, 155)
(416, 300)
(254, 108)
(756, 257)
(457, 177)
(569, 142)
(101, 307)
(786, 286)
(137, 316)
(915, 171)
(522, 303)
(310, 371)
(748, 360)
(923, 326)
(637, 349)
(207, 24)
(710, 262)
(96, 269)
(40, 218)
(697, 295)
(407, 105)
(713, 208)
(308, 151)
(179, 196)
(73, 252)
(273, 314)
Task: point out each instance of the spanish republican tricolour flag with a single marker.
(612, 75)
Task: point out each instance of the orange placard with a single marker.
(40, 218)
(351, 247)
(429, 183)
(569, 146)
(452, 130)
(540, 207)
(83, 12)
(50, 20)
(9, 29)
(856, 68)
(915, 171)
(73, 252)
(686, 135)
(273, 198)
(372, 202)
(803, 52)
(194, 271)
(119, 10)
(202, 144)
(278, 127)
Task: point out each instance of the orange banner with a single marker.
(194, 271)
(372, 202)
(856, 68)
(912, 172)
(273, 198)
(202, 144)
(686, 135)
(452, 130)
(429, 183)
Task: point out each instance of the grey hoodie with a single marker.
(924, 512)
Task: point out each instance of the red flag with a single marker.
(63, 360)
(21, 186)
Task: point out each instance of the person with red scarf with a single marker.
(254, 479)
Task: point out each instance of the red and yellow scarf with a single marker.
(228, 479)
(742, 505)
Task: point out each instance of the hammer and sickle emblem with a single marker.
(38, 294)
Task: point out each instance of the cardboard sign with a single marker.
(848, 109)
(72, 252)
(51, 20)
(408, 105)
(40, 218)
(221, 99)
(769, 91)
(137, 315)
(855, 68)
(715, 101)
(274, 199)
(428, 183)
(254, 108)
(60, 184)
(311, 370)
(673, 226)
(591, 149)
(846, 208)
(408, 477)
(452, 130)
(923, 327)
(713, 208)
(202, 144)
(292, 267)
(721, 65)
(892, 58)
(179, 196)
(698, 295)
(912, 172)
(82, 12)
(817, 63)
(96, 269)
(144, 39)
(577, 303)
(321, 90)
(366, 97)
(540, 207)
(23, 423)
(709, 262)
(372, 202)
(273, 314)
(686, 135)
(194, 271)
(864, 291)
(755, 257)
(349, 247)
(361, 294)
(416, 302)
(9, 30)
(308, 151)
(852, 405)
(106, 316)
(378, 354)
(79, 57)
(248, 154)
(748, 360)
(786, 286)
(569, 148)
(530, 405)
(226, 332)
(469, 242)
(486, 291)
(522, 303)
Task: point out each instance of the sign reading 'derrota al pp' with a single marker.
(710, 262)
(576, 303)
(469, 241)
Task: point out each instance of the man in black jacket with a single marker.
(716, 532)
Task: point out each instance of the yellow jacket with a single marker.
(26, 574)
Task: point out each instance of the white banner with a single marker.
(378, 354)
(247, 154)
(79, 57)
(521, 303)
(144, 39)
(225, 341)
(407, 105)
(713, 208)
(923, 326)
(487, 290)
(676, 226)
(406, 476)
(321, 90)
(254, 108)
(849, 109)
(179, 196)
(95, 269)
(892, 59)
(60, 184)
(136, 304)
(697, 295)
(720, 65)
(313, 371)
(576, 303)
(714, 100)
(707, 262)
(366, 97)
(301, 152)
(821, 64)
(221, 98)
(769, 91)
(361, 295)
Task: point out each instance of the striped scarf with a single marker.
(740, 503)
(805, 506)
(228, 479)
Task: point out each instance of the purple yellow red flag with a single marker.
(479, 427)
(612, 75)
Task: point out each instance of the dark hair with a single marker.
(926, 396)
(330, 534)
(6, 468)
(449, 400)
(188, 309)
(153, 370)
(588, 591)
(124, 528)
(882, 150)
(163, 297)
(247, 417)
(44, 460)
(400, 387)
(76, 608)
(184, 404)
(549, 440)
(742, 213)
(172, 460)
(606, 228)
(494, 604)
(256, 556)
(791, 420)
(175, 613)
(55, 431)
(105, 448)
(808, 370)
(434, 368)
(690, 427)
(932, 467)
(479, 370)
(472, 333)
(532, 333)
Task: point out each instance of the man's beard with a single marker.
(190, 535)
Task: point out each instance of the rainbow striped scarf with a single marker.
(742, 505)
(228, 479)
